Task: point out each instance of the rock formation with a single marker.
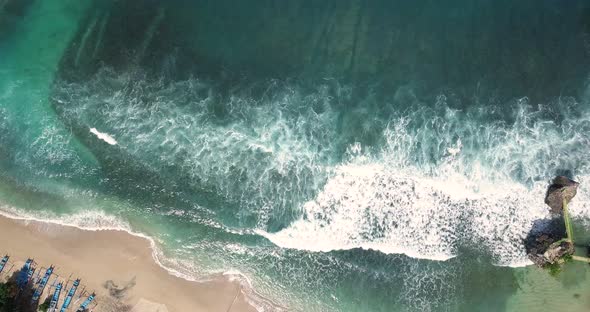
(562, 188)
(549, 251)
(549, 246)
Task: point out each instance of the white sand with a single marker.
(100, 256)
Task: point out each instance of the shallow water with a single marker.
(344, 156)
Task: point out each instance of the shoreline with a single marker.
(111, 260)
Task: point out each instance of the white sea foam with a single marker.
(580, 207)
(104, 136)
(260, 303)
(398, 201)
(266, 159)
(87, 220)
(453, 151)
(438, 180)
(372, 207)
(236, 275)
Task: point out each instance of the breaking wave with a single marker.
(377, 135)
(437, 180)
(486, 190)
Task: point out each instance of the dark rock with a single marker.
(553, 253)
(562, 188)
(558, 251)
(537, 248)
(546, 244)
(544, 249)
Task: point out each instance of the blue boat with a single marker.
(25, 274)
(70, 295)
(39, 290)
(84, 306)
(31, 273)
(3, 262)
(55, 298)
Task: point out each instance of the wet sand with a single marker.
(114, 262)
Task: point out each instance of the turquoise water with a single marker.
(342, 156)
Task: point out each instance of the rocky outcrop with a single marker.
(548, 252)
(561, 189)
(545, 249)
(558, 251)
(548, 245)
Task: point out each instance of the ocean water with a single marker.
(335, 156)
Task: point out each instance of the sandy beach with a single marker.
(116, 265)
